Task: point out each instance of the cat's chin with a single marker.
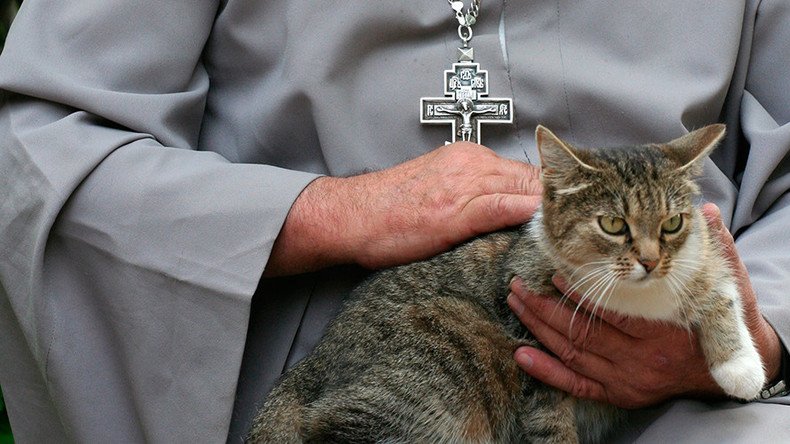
(645, 297)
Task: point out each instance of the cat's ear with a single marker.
(688, 151)
(557, 158)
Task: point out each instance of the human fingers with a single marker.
(551, 371)
(577, 327)
(577, 371)
(491, 212)
(572, 354)
(490, 172)
(632, 372)
(722, 235)
(525, 177)
(509, 184)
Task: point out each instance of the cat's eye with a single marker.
(673, 224)
(613, 225)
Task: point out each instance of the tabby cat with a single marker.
(424, 352)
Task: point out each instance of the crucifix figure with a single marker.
(463, 106)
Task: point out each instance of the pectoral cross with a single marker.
(463, 106)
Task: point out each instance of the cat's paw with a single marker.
(742, 376)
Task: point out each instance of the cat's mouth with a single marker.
(645, 273)
(644, 277)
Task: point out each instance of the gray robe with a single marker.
(151, 151)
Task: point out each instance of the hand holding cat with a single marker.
(405, 213)
(626, 361)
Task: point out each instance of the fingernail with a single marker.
(515, 281)
(515, 304)
(523, 358)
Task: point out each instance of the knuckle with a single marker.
(584, 389)
(465, 150)
(644, 389)
(488, 211)
(580, 335)
(641, 386)
(529, 183)
(499, 206)
(622, 322)
(569, 355)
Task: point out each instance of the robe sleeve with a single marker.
(130, 256)
(761, 219)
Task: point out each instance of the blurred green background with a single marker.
(8, 9)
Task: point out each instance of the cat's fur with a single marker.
(424, 352)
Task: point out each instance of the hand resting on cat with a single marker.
(409, 212)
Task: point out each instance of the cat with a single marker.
(424, 352)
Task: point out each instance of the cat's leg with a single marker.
(732, 356)
(380, 412)
(359, 413)
(280, 419)
(548, 416)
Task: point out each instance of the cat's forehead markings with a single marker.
(572, 190)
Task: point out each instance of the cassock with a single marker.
(151, 151)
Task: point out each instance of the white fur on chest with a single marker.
(652, 300)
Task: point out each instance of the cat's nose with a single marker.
(649, 264)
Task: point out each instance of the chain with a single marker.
(465, 19)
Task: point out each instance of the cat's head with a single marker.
(624, 217)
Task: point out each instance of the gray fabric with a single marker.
(151, 151)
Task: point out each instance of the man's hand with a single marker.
(409, 212)
(630, 362)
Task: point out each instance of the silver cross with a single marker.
(462, 106)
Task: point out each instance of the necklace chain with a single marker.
(465, 19)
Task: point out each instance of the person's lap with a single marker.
(289, 315)
(689, 421)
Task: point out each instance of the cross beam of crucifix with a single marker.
(462, 107)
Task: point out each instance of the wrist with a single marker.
(316, 231)
(779, 380)
(770, 349)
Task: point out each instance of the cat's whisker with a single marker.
(587, 264)
(574, 287)
(606, 297)
(604, 283)
(586, 278)
(688, 263)
(593, 294)
(597, 274)
(614, 282)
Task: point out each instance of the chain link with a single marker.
(465, 19)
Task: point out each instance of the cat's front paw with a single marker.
(742, 376)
